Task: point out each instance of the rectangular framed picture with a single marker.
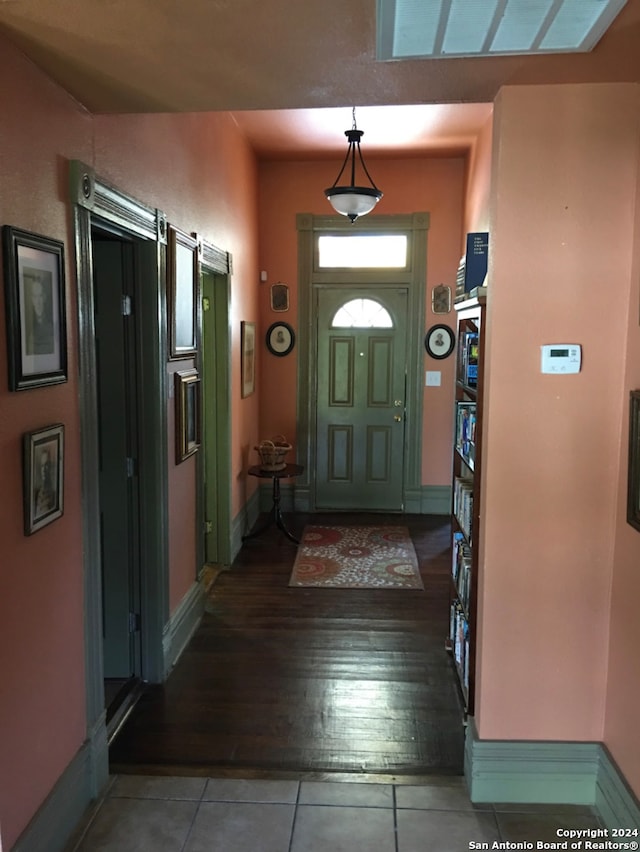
(34, 283)
(633, 482)
(43, 471)
(182, 293)
(187, 413)
(248, 349)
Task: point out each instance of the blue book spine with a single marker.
(476, 259)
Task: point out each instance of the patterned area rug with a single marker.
(371, 557)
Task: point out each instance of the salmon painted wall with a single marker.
(183, 176)
(288, 188)
(199, 170)
(623, 684)
(41, 589)
(564, 176)
(478, 186)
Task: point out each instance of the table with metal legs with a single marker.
(275, 513)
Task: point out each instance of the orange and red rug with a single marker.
(361, 557)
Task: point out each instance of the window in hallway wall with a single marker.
(362, 313)
(369, 251)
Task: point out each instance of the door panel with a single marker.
(116, 419)
(360, 407)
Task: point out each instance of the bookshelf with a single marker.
(467, 467)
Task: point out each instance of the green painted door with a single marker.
(216, 419)
(360, 401)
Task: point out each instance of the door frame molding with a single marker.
(310, 279)
(94, 200)
(218, 263)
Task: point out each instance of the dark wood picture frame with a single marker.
(43, 477)
(34, 281)
(188, 419)
(280, 338)
(182, 256)
(248, 357)
(440, 341)
(633, 482)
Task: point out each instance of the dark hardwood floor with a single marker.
(300, 682)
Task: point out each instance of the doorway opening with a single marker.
(377, 372)
(117, 342)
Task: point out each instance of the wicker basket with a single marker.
(272, 452)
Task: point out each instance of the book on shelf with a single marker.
(468, 358)
(459, 638)
(476, 260)
(461, 568)
(463, 503)
(465, 435)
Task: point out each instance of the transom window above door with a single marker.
(362, 251)
(362, 313)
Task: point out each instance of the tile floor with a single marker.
(162, 814)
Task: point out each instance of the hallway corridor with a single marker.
(281, 680)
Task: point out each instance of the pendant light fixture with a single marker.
(352, 200)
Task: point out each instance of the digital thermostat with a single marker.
(561, 358)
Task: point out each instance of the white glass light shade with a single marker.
(353, 201)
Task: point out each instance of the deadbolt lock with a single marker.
(397, 403)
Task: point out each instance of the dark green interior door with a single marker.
(360, 404)
(116, 392)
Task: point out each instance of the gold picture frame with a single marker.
(183, 293)
(248, 356)
(188, 420)
(43, 471)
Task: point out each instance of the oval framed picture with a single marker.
(280, 339)
(439, 341)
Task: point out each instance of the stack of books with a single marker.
(461, 568)
(459, 637)
(465, 437)
(463, 503)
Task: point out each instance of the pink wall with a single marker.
(200, 171)
(288, 188)
(478, 186)
(623, 684)
(564, 179)
(41, 599)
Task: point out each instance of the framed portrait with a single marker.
(280, 338)
(439, 341)
(248, 350)
(35, 308)
(183, 293)
(441, 299)
(633, 482)
(188, 420)
(279, 297)
(43, 473)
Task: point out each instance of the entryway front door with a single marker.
(361, 358)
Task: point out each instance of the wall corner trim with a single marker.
(615, 803)
(182, 624)
(543, 772)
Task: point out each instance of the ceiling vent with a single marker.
(415, 29)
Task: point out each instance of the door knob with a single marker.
(397, 418)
